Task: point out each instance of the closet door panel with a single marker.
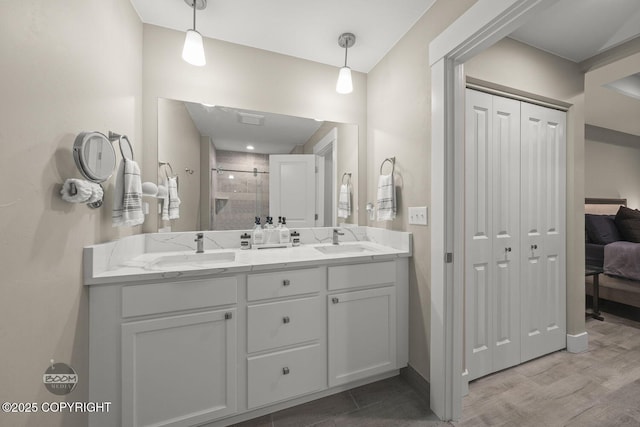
(492, 165)
(543, 230)
(505, 337)
(479, 233)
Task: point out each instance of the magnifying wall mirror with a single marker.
(94, 155)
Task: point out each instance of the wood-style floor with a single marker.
(600, 387)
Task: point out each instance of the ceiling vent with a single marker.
(250, 119)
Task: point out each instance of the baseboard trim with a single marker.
(465, 382)
(416, 380)
(578, 343)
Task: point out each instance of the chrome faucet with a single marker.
(336, 234)
(200, 243)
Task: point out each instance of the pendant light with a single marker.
(193, 50)
(344, 84)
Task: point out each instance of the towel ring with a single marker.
(114, 136)
(348, 175)
(172, 174)
(165, 170)
(392, 160)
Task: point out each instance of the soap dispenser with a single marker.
(258, 234)
(285, 234)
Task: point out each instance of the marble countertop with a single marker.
(142, 265)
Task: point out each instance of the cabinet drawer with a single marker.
(284, 283)
(140, 300)
(283, 323)
(353, 276)
(285, 374)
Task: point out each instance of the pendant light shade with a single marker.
(344, 84)
(193, 50)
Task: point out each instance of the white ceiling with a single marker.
(579, 29)
(276, 133)
(572, 29)
(302, 28)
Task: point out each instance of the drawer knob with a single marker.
(286, 319)
(285, 371)
(286, 282)
(228, 316)
(335, 300)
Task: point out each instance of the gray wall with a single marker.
(68, 67)
(612, 165)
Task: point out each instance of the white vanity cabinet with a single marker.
(286, 351)
(179, 370)
(363, 330)
(220, 349)
(164, 353)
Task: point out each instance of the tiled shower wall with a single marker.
(238, 197)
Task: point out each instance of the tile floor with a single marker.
(600, 387)
(391, 402)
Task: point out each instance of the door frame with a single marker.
(326, 147)
(482, 25)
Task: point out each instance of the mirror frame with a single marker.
(84, 142)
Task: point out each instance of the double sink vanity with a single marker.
(179, 338)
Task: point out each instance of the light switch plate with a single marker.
(418, 215)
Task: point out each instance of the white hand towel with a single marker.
(344, 202)
(127, 197)
(174, 200)
(386, 198)
(79, 191)
(171, 202)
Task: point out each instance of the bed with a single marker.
(612, 236)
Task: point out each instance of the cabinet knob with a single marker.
(228, 316)
(335, 300)
(285, 371)
(286, 319)
(286, 282)
(534, 247)
(507, 249)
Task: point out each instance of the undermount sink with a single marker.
(202, 259)
(342, 249)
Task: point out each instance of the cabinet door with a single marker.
(543, 231)
(179, 370)
(362, 334)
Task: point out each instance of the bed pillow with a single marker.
(602, 229)
(628, 223)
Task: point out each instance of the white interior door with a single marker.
(492, 276)
(292, 188)
(543, 230)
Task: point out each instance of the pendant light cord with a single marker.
(346, 48)
(194, 15)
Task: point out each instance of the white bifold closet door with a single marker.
(543, 207)
(492, 249)
(514, 232)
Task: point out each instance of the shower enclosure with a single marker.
(240, 192)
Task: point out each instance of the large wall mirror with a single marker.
(234, 164)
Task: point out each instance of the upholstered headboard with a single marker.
(603, 206)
